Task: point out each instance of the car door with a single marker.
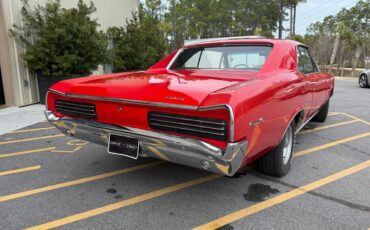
(317, 85)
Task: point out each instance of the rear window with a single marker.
(223, 57)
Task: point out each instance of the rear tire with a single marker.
(363, 81)
(323, 113)
(277, 162)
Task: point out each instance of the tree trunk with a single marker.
(280, 28)
(365, 55)
(334, 53)
(174, 29)
(291, 22)
(294, 17)
(340, 57)
(355, 61)
(281, 15)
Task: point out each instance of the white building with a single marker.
(17, 86)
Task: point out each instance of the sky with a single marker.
(317, 10)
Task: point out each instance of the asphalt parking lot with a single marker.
(48, 180)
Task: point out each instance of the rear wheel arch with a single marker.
(297, 118)
(277, 162)
(273, 162)
(322, 113)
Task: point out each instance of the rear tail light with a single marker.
(209, 128)
(78, 109)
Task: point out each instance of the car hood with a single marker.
(188, 88)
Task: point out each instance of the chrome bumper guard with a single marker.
(182, 150)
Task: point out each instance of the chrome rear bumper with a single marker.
(182, 150)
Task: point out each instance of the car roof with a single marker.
(241, 41)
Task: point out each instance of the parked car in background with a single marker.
(217, 105)
(363, 80)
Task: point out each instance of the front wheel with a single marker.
(277, 162)
(363, 81)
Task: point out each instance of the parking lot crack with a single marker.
(349, 204)
(346, 203)
(323, 137)
(356, 149)
(343, 144)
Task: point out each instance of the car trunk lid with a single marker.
(187, 88)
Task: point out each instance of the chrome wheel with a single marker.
(278, 161)
(363, 81)
(288, 145)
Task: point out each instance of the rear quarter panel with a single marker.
(277, 96)
(276, 99)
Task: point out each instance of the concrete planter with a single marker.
(2, 96)
(45, 82)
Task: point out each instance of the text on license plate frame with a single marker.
(123, 145)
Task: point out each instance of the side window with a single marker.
(305, 63)
(192, 63)
(210, 59)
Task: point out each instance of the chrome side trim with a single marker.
(157, 104)
(46, 100)
(125, 101)
(286, 129)
(308, 120)
(182, 150)
(206, 40)
(168, 67)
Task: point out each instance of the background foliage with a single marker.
(139, 44)
(60, 42)
(197, 19)
(351, 27)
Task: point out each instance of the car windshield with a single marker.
(251, 57)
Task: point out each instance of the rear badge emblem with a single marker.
(120, 109)
(174, 98)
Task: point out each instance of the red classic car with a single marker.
(217, 105)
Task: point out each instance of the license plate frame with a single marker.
(123, 146)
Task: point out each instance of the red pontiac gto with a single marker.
(217, 105)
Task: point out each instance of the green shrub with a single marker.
(59, 41)
(139, 44)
